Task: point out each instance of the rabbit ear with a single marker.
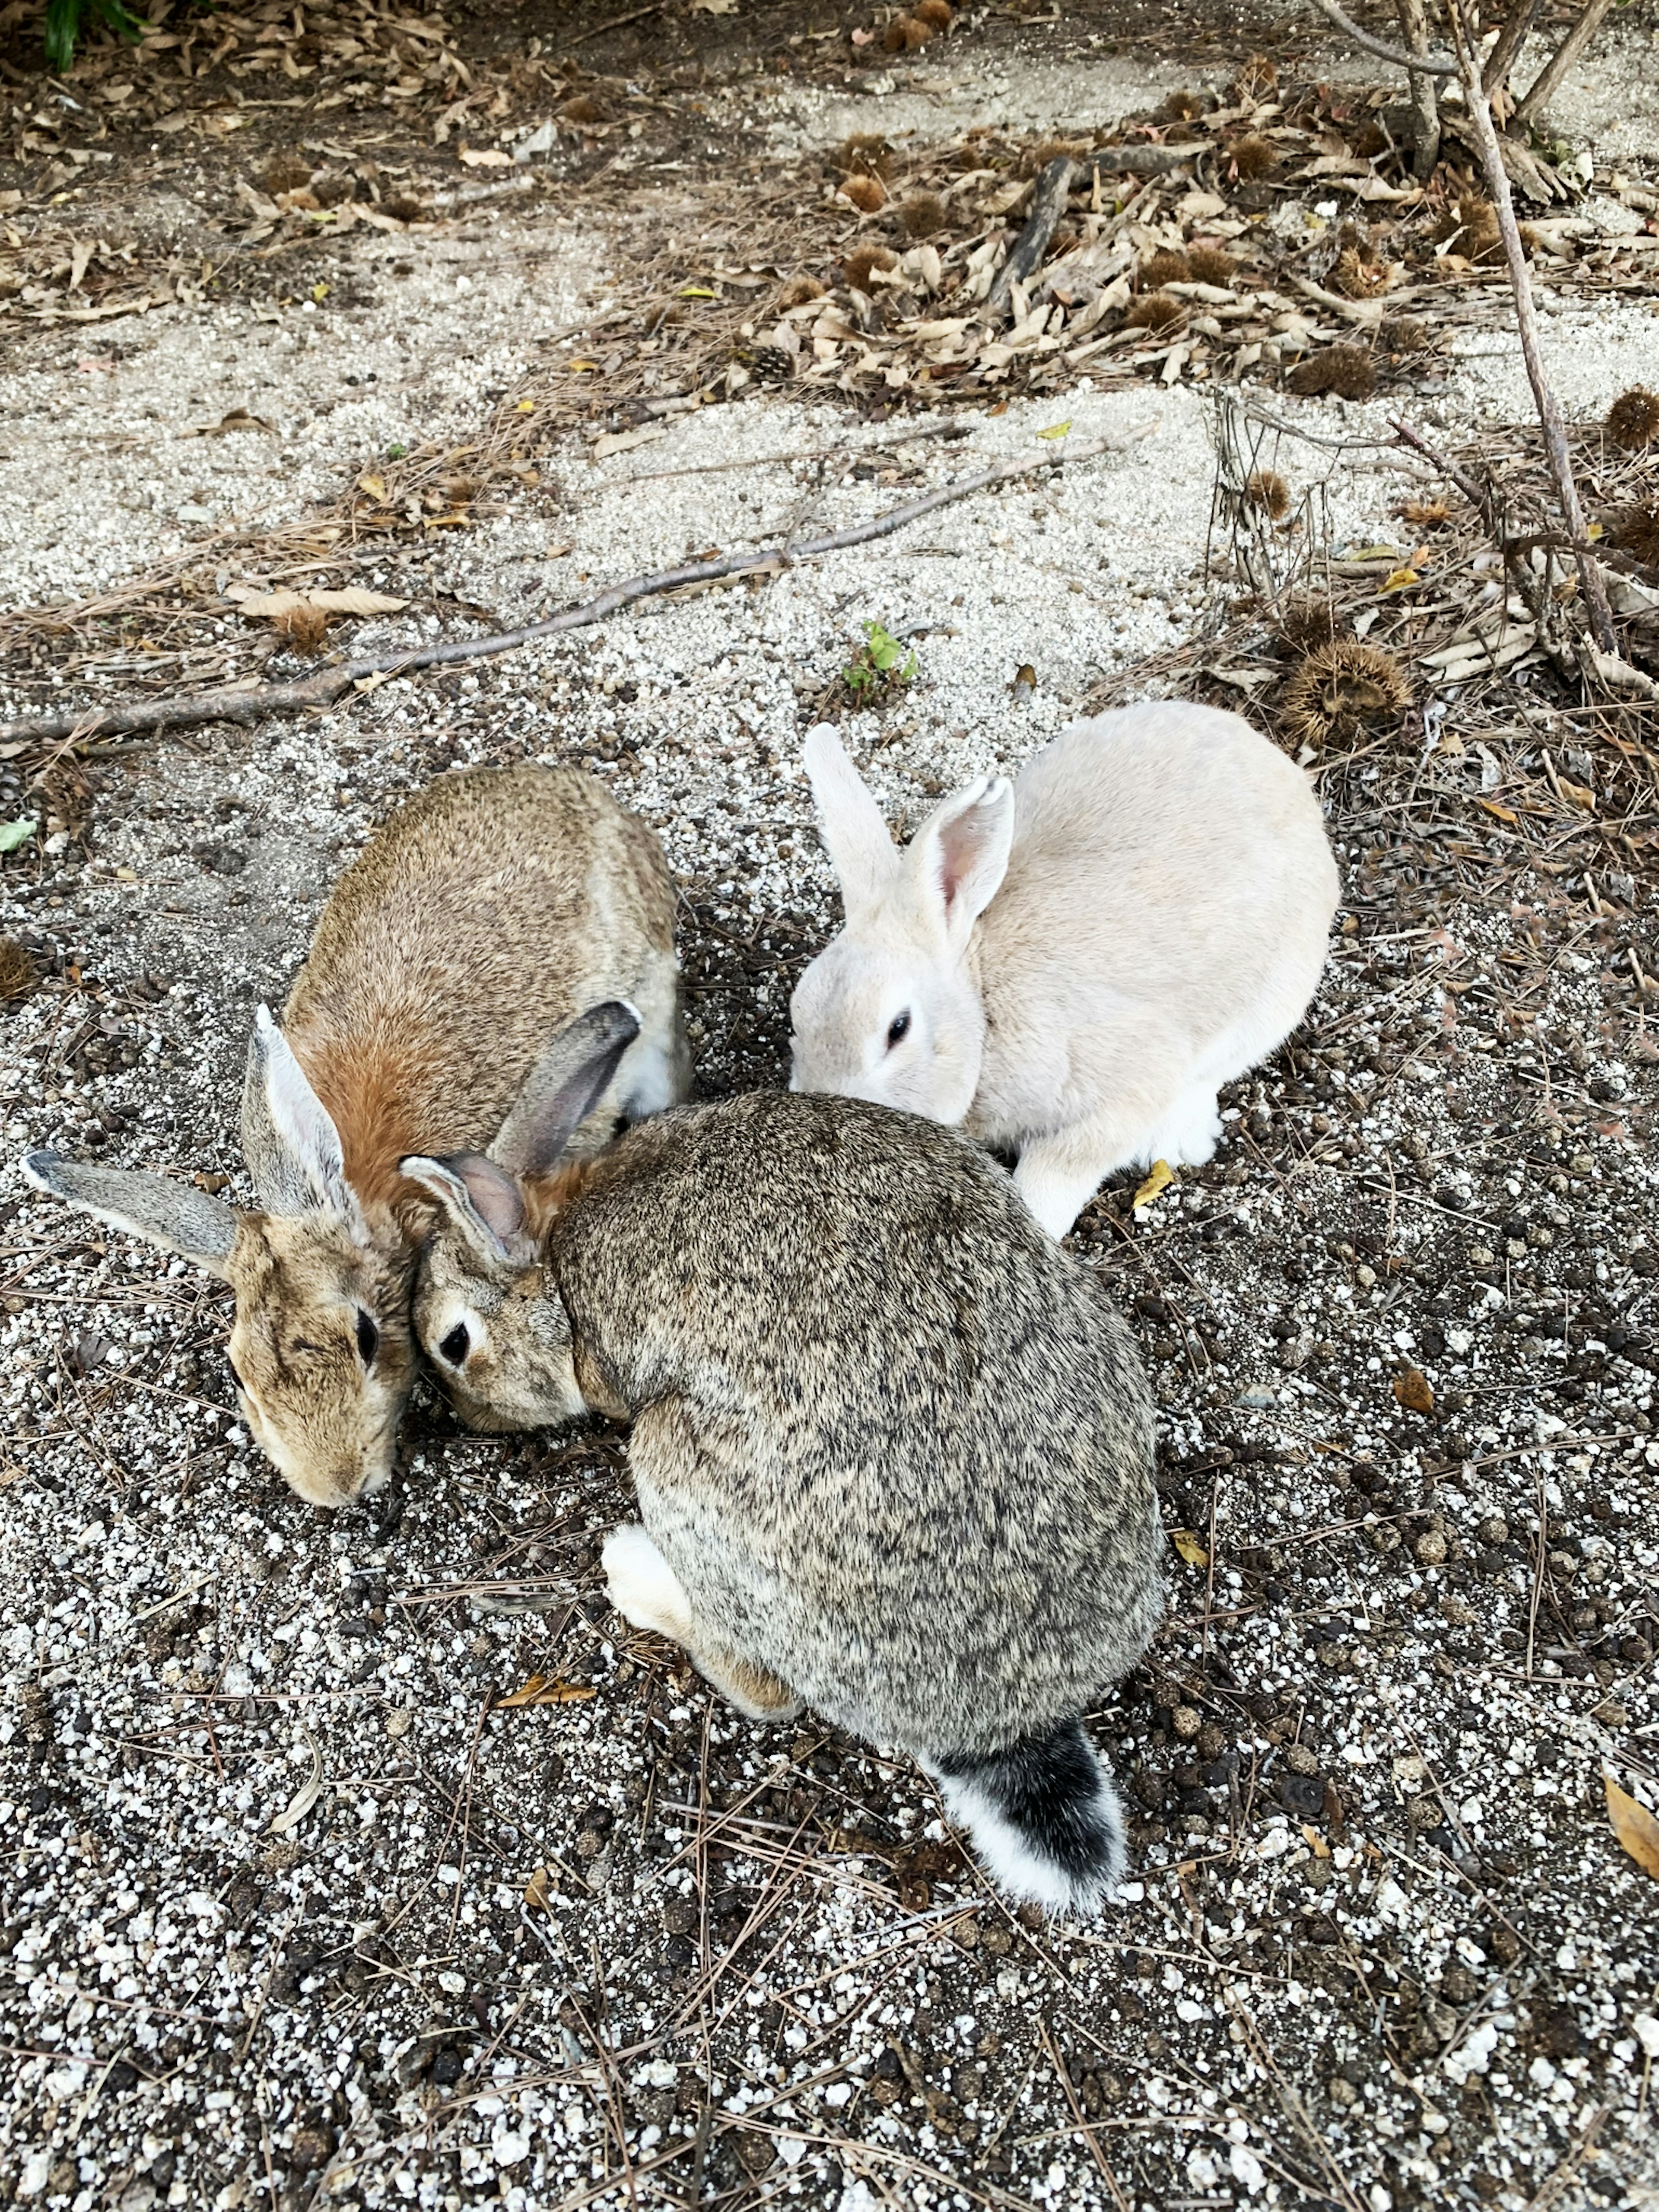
(293, 1147)
(564, 1087)
(960, 854)
(854, 835)
(173, 1215)
(482, 1200)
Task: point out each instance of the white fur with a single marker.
(1082, 963)
(1018, 1870)
(299, 1119)
(651, 1077)
(643, 1586)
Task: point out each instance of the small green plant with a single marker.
(66, 18)
(879, 662)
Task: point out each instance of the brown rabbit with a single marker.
(489, 911)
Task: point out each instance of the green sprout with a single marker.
(879, 662)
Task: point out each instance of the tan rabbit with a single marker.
(488, 911)
(1071, 965)
(893, 1447)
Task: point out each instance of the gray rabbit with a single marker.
(893, 1448)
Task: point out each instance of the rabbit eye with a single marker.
(368, 1338)
(897, 1031)
(456, 1346)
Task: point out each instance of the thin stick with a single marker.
(1146, 160)
(1562, 60)
(1048, 205)
(321, 690)
(1088, 2134)
(1526, 317)
(1420, 64)
(1517, 25)
(1426, 102)
(615, 22)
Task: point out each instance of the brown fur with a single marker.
(411, 1016)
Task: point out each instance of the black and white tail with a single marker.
(1044, 1816)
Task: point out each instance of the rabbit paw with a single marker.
(643, 1586)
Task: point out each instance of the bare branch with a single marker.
(231, 705)
(1565, 55)
(1420, 65)
(1526, 317)
(1048, 205)
(1522, 15)
(1426, 100)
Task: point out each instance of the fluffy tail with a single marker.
(1044, 1816)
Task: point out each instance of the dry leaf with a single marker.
(1024, 682)
(270, 605)
(1190, 1549)
(538, 1889)
(1402, 579)
(1634, 1826)
(1315, 1842)
(624, 441)
(238, 419)
(303, 1798)
(476, 157)
(373, 484)
(539, 1691)
(355, 600)
(711, 7)
(1503, 813)
(1056, 430)
(1159, 1176)
(1410, 1388)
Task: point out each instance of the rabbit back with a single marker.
(1167, 904)
(490, 909)
(898, 1445)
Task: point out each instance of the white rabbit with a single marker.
(1071, 965)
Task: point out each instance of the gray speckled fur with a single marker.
(895, 1443)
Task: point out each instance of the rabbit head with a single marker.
(890, 1010)
(488, 1318)
(320, 1347)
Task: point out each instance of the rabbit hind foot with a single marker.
(1187, 1134)
(647, 1592)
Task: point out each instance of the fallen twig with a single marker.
(1147, 161)
(1048, 205)
(254, 704)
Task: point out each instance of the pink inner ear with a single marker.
(961, 848)
(494, 1193)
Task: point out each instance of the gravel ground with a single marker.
(294, 1915)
